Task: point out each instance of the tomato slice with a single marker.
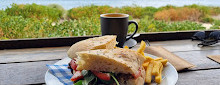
(137, 74)
(102, 76)
(76, 76)
(73, 65)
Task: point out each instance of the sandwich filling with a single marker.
(89, 77)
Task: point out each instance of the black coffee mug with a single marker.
(117, 24)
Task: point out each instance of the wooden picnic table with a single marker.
(28, 66)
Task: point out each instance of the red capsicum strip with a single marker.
(76, 76)
(102, 76)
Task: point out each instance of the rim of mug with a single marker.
(125, 15)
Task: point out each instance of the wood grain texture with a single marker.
(23, 73)
(33, 54)
(181, 45)
(184, 45)
(203, 77)
(199, 58)
(33, 50)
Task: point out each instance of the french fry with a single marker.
(145, 65)
(142, 53)
(142, 47)
(115, 47)
(158, 78)
(164, 61)
(156, 68)
(126, 47)
(148, 59)
(148, 72)
(160, 58)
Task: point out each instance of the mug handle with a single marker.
(130, 22)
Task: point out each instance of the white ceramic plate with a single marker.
(170, 74)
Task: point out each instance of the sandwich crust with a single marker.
(103, 42)
(118, 60)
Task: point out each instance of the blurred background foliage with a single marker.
(37, 21)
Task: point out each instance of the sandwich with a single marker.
(103, 42)
(108, 67)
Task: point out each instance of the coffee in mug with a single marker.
(117, 24)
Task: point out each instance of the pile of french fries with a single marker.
(153, 67)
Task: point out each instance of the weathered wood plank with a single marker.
(184, 45)
(199, 58)
(33, 54)
(181, 45)
(32, 57)
(23, 73)
(33, 50)
(203, 77)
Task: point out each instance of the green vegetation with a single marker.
(158, 26)
(216, 24)
(35, 11)
(90, 11)
(190, 12)
(13, 27)
(36, 21)
(207, 19)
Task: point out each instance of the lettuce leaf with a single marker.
(78, 82)
(88, 79)
(116, 81)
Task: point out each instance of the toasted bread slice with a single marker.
(104, 42)
(118, 60)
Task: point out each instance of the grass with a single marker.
(14, 27)
(216, 24)
(37, 21)
(90, 11)
(180, 14)
(35, 11)
(190, 12)
(134, 11)
(151, 25)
